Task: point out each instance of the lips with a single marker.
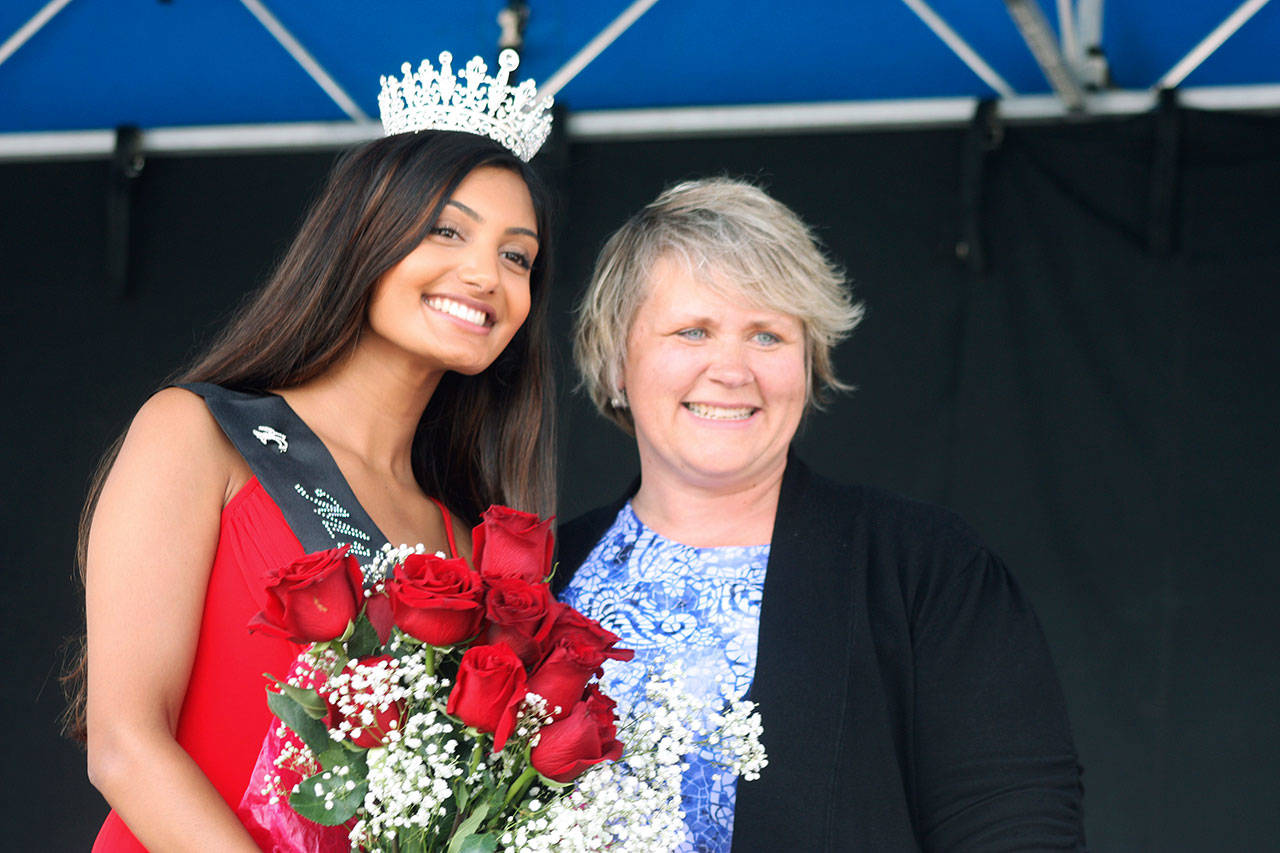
(721, 413)
(469, 313)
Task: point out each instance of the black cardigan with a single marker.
(908, 697)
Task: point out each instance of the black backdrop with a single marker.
(1069, 339)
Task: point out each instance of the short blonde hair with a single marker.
(716, 226)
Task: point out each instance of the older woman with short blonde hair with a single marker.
(908, 698)
(755, 241)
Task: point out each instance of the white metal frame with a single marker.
(1211, 42)
(1072, 48)
(24, 33)
(557, 81)
(304, 58)
(667, 123)
(960, 47)
(1080, 22)
(1035, 31)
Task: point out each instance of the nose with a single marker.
(479, 269)
(729, 365)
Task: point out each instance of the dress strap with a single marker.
(294, 467)
(448, 527)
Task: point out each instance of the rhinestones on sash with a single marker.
(331, 516)
(266, 434)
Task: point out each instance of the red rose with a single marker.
(489, 686)
(571, 623)
(508, 543)
(369, 721)
(521, 615)
(313, 598)
(564, 673)
(438, 601)
(378, 609)
(587, 736)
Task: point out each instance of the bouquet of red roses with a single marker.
(437, 706)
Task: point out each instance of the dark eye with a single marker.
(520, 259)
(445, 231)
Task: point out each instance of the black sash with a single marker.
(295, 468)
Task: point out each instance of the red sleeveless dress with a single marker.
(224, 715)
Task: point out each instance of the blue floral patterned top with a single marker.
(698, 608)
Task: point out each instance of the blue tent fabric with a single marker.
(104, 63)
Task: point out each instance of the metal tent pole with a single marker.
(1067, 33)
(304, 58)
(30, 28)
(960, 47)
(1035, 31)
(1211, 42)
(557, 81)
(660, 123)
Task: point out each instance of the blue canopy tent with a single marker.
(1098, 394)
(259, 74)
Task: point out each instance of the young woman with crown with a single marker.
(389, 382)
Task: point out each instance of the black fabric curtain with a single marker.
(1069, 339)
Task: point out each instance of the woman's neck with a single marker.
(368, 406)
(710, 515)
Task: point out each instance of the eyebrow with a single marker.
(478, 218)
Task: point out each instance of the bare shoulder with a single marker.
(174, 431)
(174, 409)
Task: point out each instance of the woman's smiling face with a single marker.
(716, 387)
(456, 301)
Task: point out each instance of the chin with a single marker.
(471, 370)
(466, 363)
(711, 468)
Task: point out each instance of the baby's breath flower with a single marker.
(425, 757)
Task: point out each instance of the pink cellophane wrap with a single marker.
(276, 827)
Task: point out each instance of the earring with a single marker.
(619, 400)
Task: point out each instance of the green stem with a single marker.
(521, 785)
(476, 754)
(430, 658)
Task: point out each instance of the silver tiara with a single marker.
(472, 102)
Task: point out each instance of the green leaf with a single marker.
(340, 755)
(553, 784)
(334, 756)
(487, 843)
(311, 805)
(465, 830)
(312, 731)
(307, 697)
(364, 639)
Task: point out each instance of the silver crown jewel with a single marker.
(471, 102)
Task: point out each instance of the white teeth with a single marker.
(457, 309)
(720, 413)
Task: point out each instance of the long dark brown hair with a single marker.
(483, 439)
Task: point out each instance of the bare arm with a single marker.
(151, 547)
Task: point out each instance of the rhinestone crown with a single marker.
(472, 102)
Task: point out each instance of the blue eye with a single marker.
(767, 338)
(692, 334)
